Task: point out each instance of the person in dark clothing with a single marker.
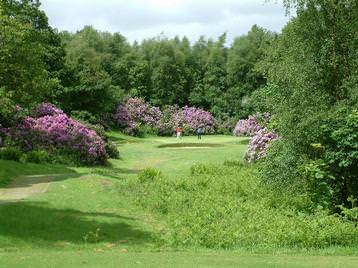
(200, 131)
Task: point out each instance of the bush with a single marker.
(247, 127)
(340, 154)
(84, 116)
(318, 183)
(149, 175)
(45, 109)
(111, 150)
(10, 153)
(135, 112)
(59, 133)
(225, 126)
(259, 144)
(228, 207)
(138, 118)
(37, 157)
(261, 136)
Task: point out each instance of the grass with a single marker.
(171, 260)
(12, 169)
(84, 220)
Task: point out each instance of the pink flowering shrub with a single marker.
(135, 112)
(192, 118)
(55, 132)
(165, 124)
(45, 108)
(247, 127)
(260, 136)
(259, 143)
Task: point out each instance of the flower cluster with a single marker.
(134, 112)
(47, 109)
(247, 127)
(260, 136)
(56, 131)
(259, 144)
(192, 118)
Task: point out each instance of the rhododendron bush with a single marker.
(54, 131)
(260, 136)
(247, 127)
(135, 112)
(259, 144)
(192, 118)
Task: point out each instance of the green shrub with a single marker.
(318, 183)
(37, 157)
(149, 174)
(340, 153)
(111, 150)
(84, 116)
(351, 213)
(10, 153)
(144, 130)
(233, 163)
(228, 207)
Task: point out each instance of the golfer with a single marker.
(179, 132)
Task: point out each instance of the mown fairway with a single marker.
(83, 220)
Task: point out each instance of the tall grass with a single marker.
(226, 206)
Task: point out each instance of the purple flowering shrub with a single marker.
(135, 112)
(55, 132)
(45, 108)
(259, 144)
(247, 127)
(192, 118)
(165, 124)
(260, 136)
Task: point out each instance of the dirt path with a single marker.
(24, 187)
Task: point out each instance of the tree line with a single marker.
(92, 70)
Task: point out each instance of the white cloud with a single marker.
(138, 19)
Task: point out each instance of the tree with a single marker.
(243, 76)
(30, 51)
(210, 88)
(311, 65)
(89, 84)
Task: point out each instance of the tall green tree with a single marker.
(210, 88)
(243, 76)
(31, 53)
(313, 66)
(92, 73)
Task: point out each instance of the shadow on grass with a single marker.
(29, 180)
(38, 224)
(245, 141)
(123, 140)
(15, 174)
(114, 172)
(189, 145)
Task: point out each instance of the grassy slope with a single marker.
(61, 227)
(11, 169)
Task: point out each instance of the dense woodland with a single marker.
(306, 77)
(92, 71)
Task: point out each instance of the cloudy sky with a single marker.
(138, 19)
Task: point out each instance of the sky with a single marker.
(140, 19)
